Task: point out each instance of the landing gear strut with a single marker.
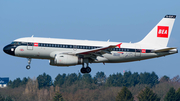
(87, 69)
(29, 62)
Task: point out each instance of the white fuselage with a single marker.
(43, 48)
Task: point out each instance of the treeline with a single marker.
(148, 95)
(17, 82)
(127, 79)
(80, 87)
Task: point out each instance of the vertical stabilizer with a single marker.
(160, 34)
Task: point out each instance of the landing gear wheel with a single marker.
(83, 70)
(28, 67)
(88, 69)
(29, 62)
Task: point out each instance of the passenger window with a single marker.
(75, 47)
(29, 44)
(23, 43)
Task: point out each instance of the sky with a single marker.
(100, 20)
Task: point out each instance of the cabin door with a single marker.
(30, 44)
(138, 50)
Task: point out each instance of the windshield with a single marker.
(16, 43)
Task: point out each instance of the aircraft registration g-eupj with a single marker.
(66, 52)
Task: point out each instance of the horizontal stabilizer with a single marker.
(165, 49)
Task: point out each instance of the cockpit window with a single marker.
(16, 43)
(12, 43)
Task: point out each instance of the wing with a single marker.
(96, 52)
(101, 50)
(93, 53)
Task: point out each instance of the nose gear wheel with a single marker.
(28, 67)
(29, 62)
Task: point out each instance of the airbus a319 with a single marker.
(67, 52)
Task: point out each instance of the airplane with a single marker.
(68, 52)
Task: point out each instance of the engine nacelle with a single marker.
(66, 60)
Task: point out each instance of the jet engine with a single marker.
(66, 60)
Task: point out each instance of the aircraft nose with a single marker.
(9, 49)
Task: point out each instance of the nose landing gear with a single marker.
(29, 62)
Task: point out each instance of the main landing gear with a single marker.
(87, 69)
(29, 62)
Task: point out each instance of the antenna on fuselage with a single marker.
(32, 36)
(108, 40)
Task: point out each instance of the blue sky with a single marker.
(117, 20)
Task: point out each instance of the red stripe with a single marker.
(121, 52)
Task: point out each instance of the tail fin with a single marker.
(159, 35)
